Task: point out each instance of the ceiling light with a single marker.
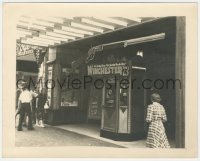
(112, 20)
(59, 35)
(53, 19)
(97, 23)
(24, 32)
(42, 23)
(45, 40)
(21, 34)
(52, 38)
(133, 18)
(77, 30)
(39, 41)
(74, 24)
(68, 33)
(33, 43)
(28, 25)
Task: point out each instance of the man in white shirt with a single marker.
(24, 102)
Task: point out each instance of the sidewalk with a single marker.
(51, 136)
(94, 132)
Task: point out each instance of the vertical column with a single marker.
(180, 74)
(129, 98)
(56, 89)
(54, 55)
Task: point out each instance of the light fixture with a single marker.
(140, 53)
(52, 38)
(77, 30)
(60, 35)
(112, 20)
(24, 32)
(39, 41)
(37, 27)
(45, 40)
(33, 20)
(21, 34)
(31, 26)
(33, 43)
(22, 24)
(52, 19)
(42, 23)
(133, 18)
(74, 24)
(97, 23)
(144, 39)
(68, 33)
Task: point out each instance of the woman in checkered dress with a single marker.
(156, 137)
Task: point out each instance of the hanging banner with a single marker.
(39, 55)
(107, 69)
(26, 49)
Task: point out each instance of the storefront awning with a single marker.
(49, 31)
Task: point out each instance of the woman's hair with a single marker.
(155, 97)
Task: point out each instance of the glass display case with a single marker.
(69, 95)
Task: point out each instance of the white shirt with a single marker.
(27, 96)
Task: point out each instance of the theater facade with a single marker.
(107, 79)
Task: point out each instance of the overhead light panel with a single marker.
(113, 20)
(133, 18)
(60, 35)
(45, 40)
(40, 41)
(77, 30)
(68, 33)
(42, 23)
(33, 43)
(53, 19)
(85, 27)
(33, 20)
(85, 20)
(24, 32)
(28, 25)
(53, 38)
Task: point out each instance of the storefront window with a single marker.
(69, 95)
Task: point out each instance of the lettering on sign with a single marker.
(106, 69)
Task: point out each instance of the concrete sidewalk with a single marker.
(94, 132)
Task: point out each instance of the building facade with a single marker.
(152, 53)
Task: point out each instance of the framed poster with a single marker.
(94, 111)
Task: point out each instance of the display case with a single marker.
(70, 95)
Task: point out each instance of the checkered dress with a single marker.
(156, 137)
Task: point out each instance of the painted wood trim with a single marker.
(180, 74)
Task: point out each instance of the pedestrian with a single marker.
(33, 107)
(24, 106)
(156, 137)
(40, 102)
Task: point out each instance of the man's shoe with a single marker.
(19, 129)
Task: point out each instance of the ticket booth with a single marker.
(123, 100)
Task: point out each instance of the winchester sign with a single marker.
(106, 69)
